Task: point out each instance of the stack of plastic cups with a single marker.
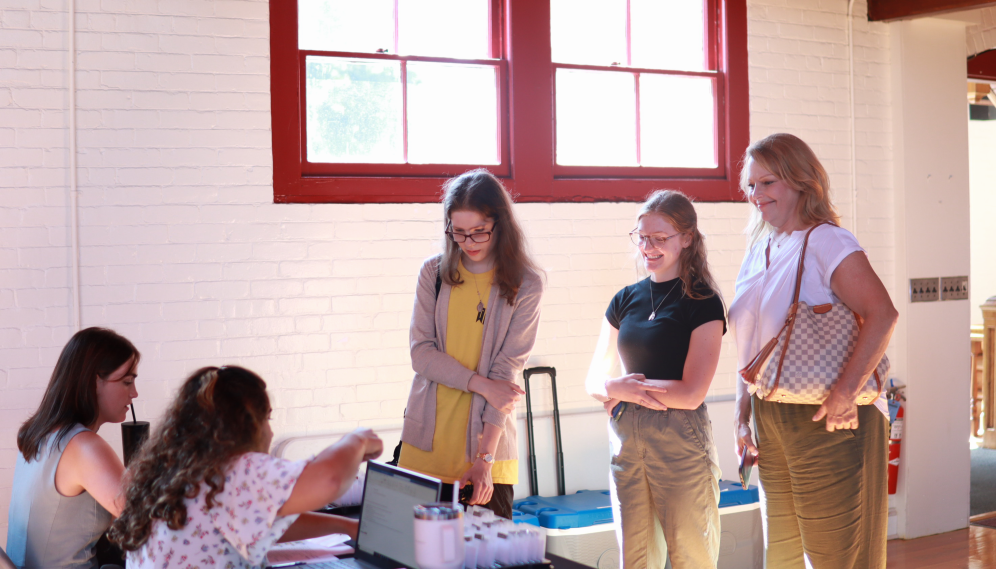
(490, 540)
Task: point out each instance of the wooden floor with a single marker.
(972, 548)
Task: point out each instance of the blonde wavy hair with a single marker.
(693, 268)
(794, 162)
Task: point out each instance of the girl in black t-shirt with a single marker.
(666, 332)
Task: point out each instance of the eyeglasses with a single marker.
(651, 240)
(482, 237)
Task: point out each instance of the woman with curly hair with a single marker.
(203, 491)
(67, 481)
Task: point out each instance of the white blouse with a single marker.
(764, 293)
(238, 531)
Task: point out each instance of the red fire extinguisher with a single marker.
(895, 441)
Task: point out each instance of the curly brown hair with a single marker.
(217, 416)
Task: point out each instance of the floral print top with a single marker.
(238, 531)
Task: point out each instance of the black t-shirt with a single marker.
(657, 348)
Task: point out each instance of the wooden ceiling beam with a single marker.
(886, 10)
(983, 66)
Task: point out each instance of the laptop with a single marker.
(386, 535)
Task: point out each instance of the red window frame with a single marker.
(527, 129)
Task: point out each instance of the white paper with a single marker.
(324, 548)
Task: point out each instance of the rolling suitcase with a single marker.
(578, 526)
(533, 484)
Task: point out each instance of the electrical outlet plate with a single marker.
(954, 288)
(924, 290)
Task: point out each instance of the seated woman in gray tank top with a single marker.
(67, 481)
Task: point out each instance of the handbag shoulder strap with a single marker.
(802, 258)
(793, 309)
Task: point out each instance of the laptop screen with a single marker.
(386, 527)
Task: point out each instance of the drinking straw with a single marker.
(133, 419)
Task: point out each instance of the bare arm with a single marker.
(629, 387)
(742, 435)
(700, 367)
(313, 524)
(90, 465)
(329, 475)
(856, 285)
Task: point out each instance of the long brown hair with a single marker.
(693, 266)
(480, 191)
(794, 162)
(71, 395)
(217, 416)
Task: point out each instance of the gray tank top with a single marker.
(46, 529)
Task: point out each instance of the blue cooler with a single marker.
(579, 526)
(582, 509)
(733, 494)
(523, 518)
(741, 545)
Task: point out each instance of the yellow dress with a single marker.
(464, 336)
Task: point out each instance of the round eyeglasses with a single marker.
(655, 241)
(481, 237)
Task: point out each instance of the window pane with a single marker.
(354, 110)
(677, 121)
(668, 34)
(452, 114)
(589, 32)
(444, 28)
(346, 25)
(596, 118)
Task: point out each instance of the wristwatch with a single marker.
(488, 458)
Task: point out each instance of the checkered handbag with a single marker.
(802, 363)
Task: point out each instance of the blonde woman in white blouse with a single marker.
(822, 467)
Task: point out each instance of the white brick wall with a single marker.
(184, 252)
(982, 36)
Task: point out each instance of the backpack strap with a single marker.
(439, 276)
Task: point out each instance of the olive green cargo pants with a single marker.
(823, 495)
(665, 488)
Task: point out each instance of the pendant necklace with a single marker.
(480, 303)
(654, 313)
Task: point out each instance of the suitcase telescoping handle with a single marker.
(533, 483)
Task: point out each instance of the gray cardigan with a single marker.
(509, 336)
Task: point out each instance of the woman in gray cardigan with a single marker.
(476, 314)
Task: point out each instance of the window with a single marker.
(567, 100)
